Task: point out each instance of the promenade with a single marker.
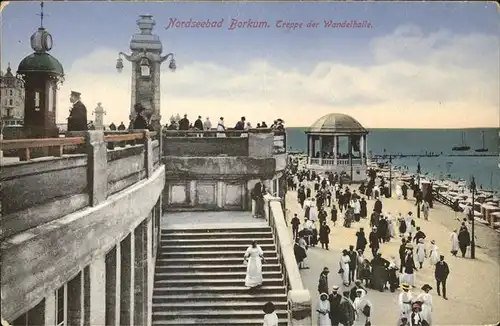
(473, 285)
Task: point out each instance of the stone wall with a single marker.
(39, 191)
(201, 146)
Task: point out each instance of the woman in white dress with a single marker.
(426, 299)
(344, 267)
(421, 252)
(454, 242)
(270, 317)
(390, 225)
(254, 256)
(409, 224)
(313, 211)
(399, 191)
(220, 127)
(323, 310)
(434, 254)
(405, 299)
(364, 308)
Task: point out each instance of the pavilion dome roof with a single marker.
(40, 62)
(337, 123)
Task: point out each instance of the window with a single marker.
(61, 299)
(11, 93)
(10, 102)
(37, 100)
(50, 103)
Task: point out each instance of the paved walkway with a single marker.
(203, 220)
(473, 285)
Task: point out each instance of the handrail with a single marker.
(123, 137)
(215, 131)
(285, 243)
(40, 142)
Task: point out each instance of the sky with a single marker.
(411, 65)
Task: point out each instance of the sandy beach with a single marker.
(473, 285)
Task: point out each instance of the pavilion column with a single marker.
(320, 150)
(310, 148)
(349, 142)
(334, 150)
(365, 149)
(362, 148)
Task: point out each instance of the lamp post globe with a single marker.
(119, 64)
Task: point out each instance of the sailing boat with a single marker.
(463, 146)
(482, 149)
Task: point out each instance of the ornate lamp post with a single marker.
(146, 61)
(472, 217)
(418, 189)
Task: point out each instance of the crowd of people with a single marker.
(362, 269)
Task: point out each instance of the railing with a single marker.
(229, 142)
(444, 200)
(41, 188)
(331, 161)
(299, 298)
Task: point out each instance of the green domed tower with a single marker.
(42, 74)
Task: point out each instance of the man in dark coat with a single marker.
(374, 219)
(463, 239)
(374, 241)
(419, 235)
(382, 230)
(240, 125)
(379, 273)
(361, 240)
(363, 209)
(112, 126)
(347, 310)
(402, 254)
(334, 299)
(198, 124)
(323, 281)
(77, 120)
(184, 123)
(301, 196)
(377, 207)
(441, 274)
(295, 225)
(139, 121)
(353, 256)
(258, 193)
(404, 190)
(324, 235)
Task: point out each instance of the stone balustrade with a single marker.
(252, 142)
(37, 191)
(299, 297)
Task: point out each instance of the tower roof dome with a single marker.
(337, 123)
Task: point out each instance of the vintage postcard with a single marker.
(250, 163)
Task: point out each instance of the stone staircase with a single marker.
(200, 278)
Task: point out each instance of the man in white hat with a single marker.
(335, 299)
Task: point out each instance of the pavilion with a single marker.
(336, 142)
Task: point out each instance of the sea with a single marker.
(485, 169)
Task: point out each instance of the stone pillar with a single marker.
(127, 281)
(300, 308)
(97, 295)
(349, 144)
(361, 148)
(113, 267)
(148, 154)
(50, 309)
(97, 162)
(309, 146)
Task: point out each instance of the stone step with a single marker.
(213, 268)
(181, 307)
(214, 282)
(225, 230)
(214, 247)
(202, 242)
(203, 297)
(208, 261)
(219, 235)
(216, 322)
(216, 290)
(205, 315)
(211, 275)
(207, 254)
